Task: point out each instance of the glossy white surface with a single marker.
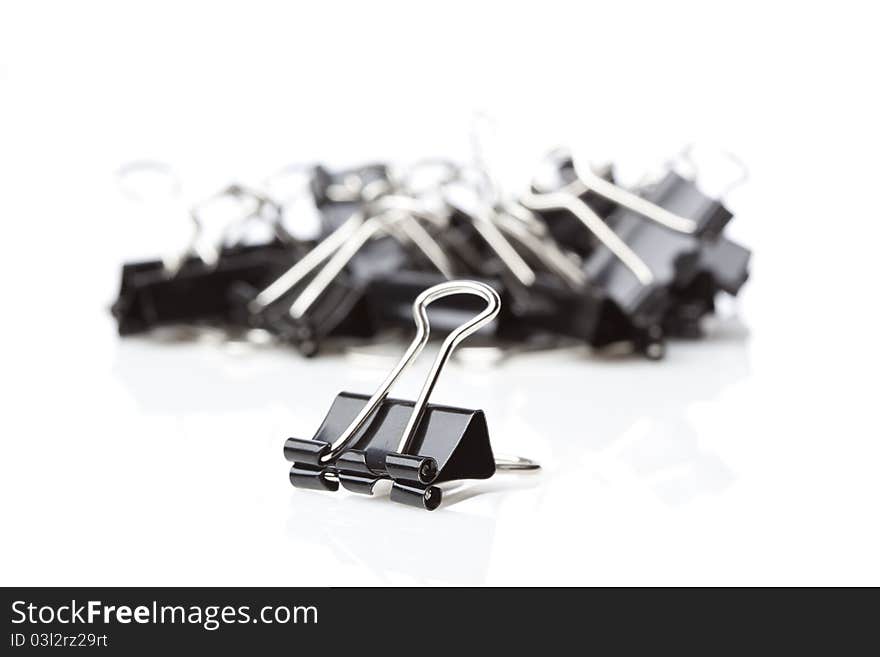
(748, 458)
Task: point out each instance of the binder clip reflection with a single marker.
(416, 445)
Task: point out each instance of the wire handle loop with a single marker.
(423, 332)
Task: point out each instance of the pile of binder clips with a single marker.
(574, 258)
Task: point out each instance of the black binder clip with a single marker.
(646, 247)
(198, 288)
(561, 301)
(543, 287)
(722, 265)
(316, 298)
(414, 445)
(323, 295)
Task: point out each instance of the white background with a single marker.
(747, 458)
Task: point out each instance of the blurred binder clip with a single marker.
(413, 444)
(577, 257)
(323, 295)
(196, 288)
(644, 254)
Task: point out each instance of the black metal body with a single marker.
(723, 267)
(197, 293)
(674, 258)
(342, 310)
(450, 444)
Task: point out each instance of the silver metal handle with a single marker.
(568, 201)
(308, 263)
(482, 218)
(515, 464)
(521, 224)
(588, 180)
(326, 275)
(208, 248)
(423, 332)
(375, 225)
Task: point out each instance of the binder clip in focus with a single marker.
(414, 445)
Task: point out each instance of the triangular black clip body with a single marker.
(450, 444)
